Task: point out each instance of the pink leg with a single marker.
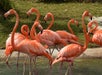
(17, 62)
(69, 69)
(8, 60)
(35, 69)
(61, 64)
(30, 68)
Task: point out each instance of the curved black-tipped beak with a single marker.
(41, 31)
(29, 33)
(78, 25)
(4, 18)
(45, 21)
(27, 16)
(91, 17)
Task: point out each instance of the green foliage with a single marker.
(5, 5)
(86, 1)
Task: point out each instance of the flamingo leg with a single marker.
(24, 66)
(7, 61)
(30, 68)
(69, 69)
(49, 50)
(17, 61)
(52, 51)
(60, 69)
(35, 69)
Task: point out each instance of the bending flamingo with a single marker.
(97, 34)
(45, 37)
(27, 46)
(69, 52)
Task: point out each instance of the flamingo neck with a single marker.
(51, 23)
(33, 32)
(85, 35)
(70, 29)
(14, 30)
(38, 15)
(25, 31)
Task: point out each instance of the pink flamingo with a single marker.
(45, 37)
(63, 34)
(68, 36)
(27, 46)
(69, 52)
(17, 39)
(97, 34)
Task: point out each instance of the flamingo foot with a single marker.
(8, 65)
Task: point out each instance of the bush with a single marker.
(86, 1)
(5, 5)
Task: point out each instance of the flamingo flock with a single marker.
(38, 44)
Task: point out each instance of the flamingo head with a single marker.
(30, 11)
(90, 26)
(37, 24)
(11, 11)
(47, 16)
(87, 13)
(74, 21)
(56, 60)
(8, 50)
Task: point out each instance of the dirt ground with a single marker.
(89, 53)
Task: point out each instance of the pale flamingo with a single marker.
(17, 39)
(97, 33)
(69, 52)
(68, 37)
(45, 37)
(27, 46)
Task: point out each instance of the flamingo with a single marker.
(68, 36)
(69, 52)
(17, 39)
(45, 37)
(27, 46)
(97, 33)
(63, 34)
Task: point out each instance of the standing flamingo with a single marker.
(63, 34)
(45, 37)
(27, 46)
(97, 34)
(69, 52)
(17, 39)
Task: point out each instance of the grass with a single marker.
(81, 67)
(63, 12)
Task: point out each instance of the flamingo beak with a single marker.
(45, 20)
(90, 15)
(41, 31)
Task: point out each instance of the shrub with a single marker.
(5, 5)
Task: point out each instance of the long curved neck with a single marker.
(38, 15)
(33, 32)
(25, 30)
(51, 23)
(70, 29)
(85, 34)
(14, 30)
